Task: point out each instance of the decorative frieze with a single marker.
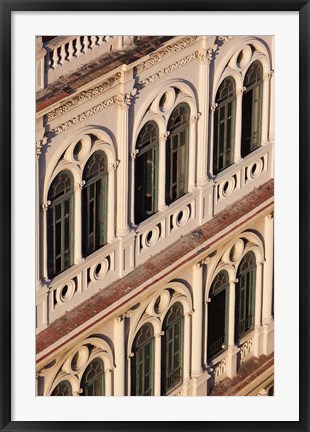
(86, 114)
(170, 49)
(84, 95)
(169, 69)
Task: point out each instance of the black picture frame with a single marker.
(6, 8)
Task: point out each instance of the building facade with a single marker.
(154, 215)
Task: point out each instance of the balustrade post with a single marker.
(268, 342)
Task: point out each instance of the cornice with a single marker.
(83, 96)
(170, 49)
(88, 113)
(169, 69)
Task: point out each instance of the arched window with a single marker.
(177, 153)
(60, 224)
(245, 295)
(95, 203)
(218, 314)
(62, 389)
(92, 381)
(224, 125)
(252, 109)
(142, 363)
(172, 349)
(146, 172)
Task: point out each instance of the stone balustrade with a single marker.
(123, 255)
(65, 54)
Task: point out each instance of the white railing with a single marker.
(155, 234)
(65, 54)
(238, 180)
(180, 218)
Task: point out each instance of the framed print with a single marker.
(154, 225)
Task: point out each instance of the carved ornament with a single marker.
(169, 69)
(68, 124)
(170, 49)
(84, 95)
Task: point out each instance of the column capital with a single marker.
(79, 186)
(124, 99)
(195, 118)
(40, 144)
(163, 137)
(268, 75)
(270, 216)
(240, 91)
(113, 166)
(45, 206)
(213, 107)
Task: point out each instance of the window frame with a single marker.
(98, 185)
(212, 295)
(246, 148)
(153, 146)
(166, 373)
(249, 290)
(66, 382)
(138, 349)
(99, 377)
(219, 105)
(51, 228)
(176, 131)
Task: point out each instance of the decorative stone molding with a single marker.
(121, 317)
(268, 75)
(169, 69)
(225, 38)
(46, 205)
(84, 95)
(114, 166)
(124, 100)
(195, 118)
(200, 263)
(213, 107)
(79, 186)
(164, 136)
(246, 348)
(86, 114)
(41, 373)
(170, 49)
(78, 392)
(134, 154)
(207, 55)
(39, 145)
(240, 91)
(220, 369)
